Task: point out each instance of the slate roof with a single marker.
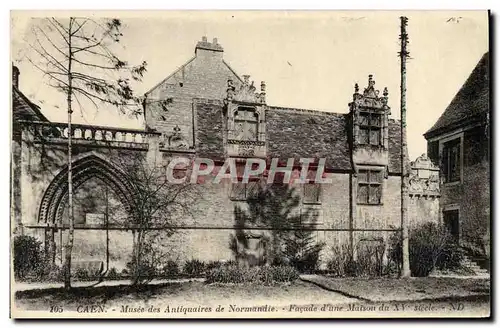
(294, 133)
(24, 109)
(470, 103)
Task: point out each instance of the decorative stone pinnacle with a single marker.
(230, 90)
(246, 79)
(371, 82)
(263, 86)
(356, 88)
(386, 92)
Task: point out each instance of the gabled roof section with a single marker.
(24, 109)
(184, 66)
(471, 101)
(172, 74)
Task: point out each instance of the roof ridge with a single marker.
(231, 69)
(170, 75)
(307, 111)
(461, 96)
(37, 109)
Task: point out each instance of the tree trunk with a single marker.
(71, 231)
(137, 257)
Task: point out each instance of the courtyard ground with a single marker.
(326, 298)
(414, 289)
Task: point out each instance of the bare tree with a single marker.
(76, 58)
(159, 206)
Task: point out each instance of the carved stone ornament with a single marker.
(428, 184)
(370, 96)
(174, 140)
(246, 92)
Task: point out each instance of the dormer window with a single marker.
(370, 125)
(245, 124)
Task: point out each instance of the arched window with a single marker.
(245, 124)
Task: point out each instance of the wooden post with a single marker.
(405, 269)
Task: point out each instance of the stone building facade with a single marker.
(459, 142)
(205, 110)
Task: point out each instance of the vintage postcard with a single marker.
(250, 164)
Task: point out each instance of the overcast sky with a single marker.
(308, 59)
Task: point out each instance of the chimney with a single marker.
(205, 47)
(15, 76)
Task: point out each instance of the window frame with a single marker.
(458, 141)
(245, 186)
(306, 223)
(319, 193)
(369, 127)
(246, 122)
(370, 184)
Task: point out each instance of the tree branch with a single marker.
(56, 24)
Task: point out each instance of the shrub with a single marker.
(28, 256)
(280, 273)
(213, 264)
(50, 272)
(451, 257)
(302, 251)
(264, 274)
(81, 274)
(430, 247)
(54, 273)
(341, 264)
(369, 262)
(171, 269)
(194, 267)
(142, 272)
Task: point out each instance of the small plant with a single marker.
(81, 274)
(370, 257)
(341, 263)
(112, 273)
(171, 269)
(194, 267)
(50, 272)
(142, 272)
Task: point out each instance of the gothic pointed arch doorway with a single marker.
(102, 196)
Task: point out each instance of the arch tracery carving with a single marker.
(56, 195)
